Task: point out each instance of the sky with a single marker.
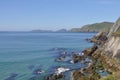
(25, 15)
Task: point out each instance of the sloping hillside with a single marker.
(96, 27)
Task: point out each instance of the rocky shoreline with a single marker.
(76, 58)
(103, 58)
(97, 66)
(93, 71)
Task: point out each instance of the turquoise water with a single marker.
(22, 53)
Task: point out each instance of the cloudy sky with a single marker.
(25, 15)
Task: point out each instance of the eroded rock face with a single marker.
(118, 55)
(113, 43)
(91, 50)
(110, 42)
(115, 27)
(113, 46)
(99, 39)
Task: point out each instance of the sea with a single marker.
(22, 54)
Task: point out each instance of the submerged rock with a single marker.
(60, 59)
(12, 76)
(38, 72)
(31, 67)
(63, 53)
(58, 49)
(32, 78)
(63, 56)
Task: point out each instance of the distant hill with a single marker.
(41, 31)
(61, 30)
(96, 27)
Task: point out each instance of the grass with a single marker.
(110, 78)
(117, 32)
(104, 26)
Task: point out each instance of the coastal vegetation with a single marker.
(117, 33)
(95, 27)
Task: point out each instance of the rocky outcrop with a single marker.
(110, 43)
(113, 47)
(55, 77)
(77, 58)
(99, 39)
(86, 74)
(113, 44)
(115, 27)
(106, 51)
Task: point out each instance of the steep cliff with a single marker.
(105, 54)
(115, 28)
(109, 53)
(113, 44)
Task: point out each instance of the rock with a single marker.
(106, 50)
(91, 50)
(38, 71)
(60, 59)
(63, 53)
(54, 77)
(77, 75)
(83, 70)
(12, 76)
(77, 58)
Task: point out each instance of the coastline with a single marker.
(101, 60)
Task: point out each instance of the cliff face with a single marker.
(113, 44)
(105, 54)
(115, 27)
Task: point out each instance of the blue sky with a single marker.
(25, 15)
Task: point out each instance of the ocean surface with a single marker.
(21, 54)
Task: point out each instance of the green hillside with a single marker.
(104, 26)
